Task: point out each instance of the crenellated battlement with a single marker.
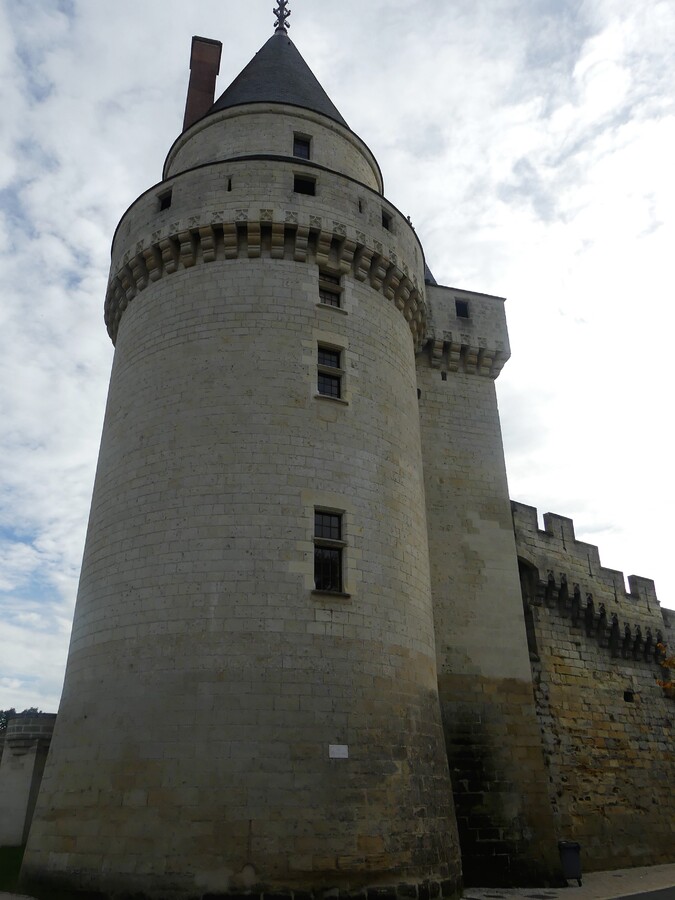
(596, 654)
(639, 641)
(556, 549)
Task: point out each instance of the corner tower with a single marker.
(493, 738)
(251, 700)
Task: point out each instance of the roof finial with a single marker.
(282, 14)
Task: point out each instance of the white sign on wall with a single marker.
(338, 751)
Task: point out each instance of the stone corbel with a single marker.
(230, 240)
(188, 255)
(378, 272)
(153, 263)
(278, 240)
(169, 251)
(471, 359)
(485, 357)
(128, 284)
(323, 246)
(139, 272)
(346, 256)
(391, 284)
(362, 262)
(253, 235)
(207, 236)
(301, 244)
(119, 296)
(403, 294)
(454, 356)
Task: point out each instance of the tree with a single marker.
(5, 715)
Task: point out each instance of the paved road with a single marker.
(597, 886)
(664, 894)
(649, 883)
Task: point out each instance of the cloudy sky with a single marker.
(531, 141)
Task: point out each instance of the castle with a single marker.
(316, 649)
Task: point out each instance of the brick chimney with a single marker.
(204, 68)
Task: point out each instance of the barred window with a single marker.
(328, 548)
(330, 289)
(329, 372)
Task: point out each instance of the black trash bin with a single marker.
(570, 857)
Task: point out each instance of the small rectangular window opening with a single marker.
(302, 146)
(386, 220)
(329, 279)
(462, 309)
(304, 185)
(629, 696)
(330, 289)
(165, 200)
(329, 373)
(328, 548)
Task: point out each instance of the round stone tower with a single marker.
(251, 702)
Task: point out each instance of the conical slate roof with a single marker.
(278, 74)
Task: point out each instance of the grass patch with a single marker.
(10, 863)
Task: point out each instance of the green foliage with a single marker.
(5, 715)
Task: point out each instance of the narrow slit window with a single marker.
(302, 146)
(328, 550)
(330, 289)
(329, 378)
(304, 185)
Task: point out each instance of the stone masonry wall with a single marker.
(246, 131)
(607, 726)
